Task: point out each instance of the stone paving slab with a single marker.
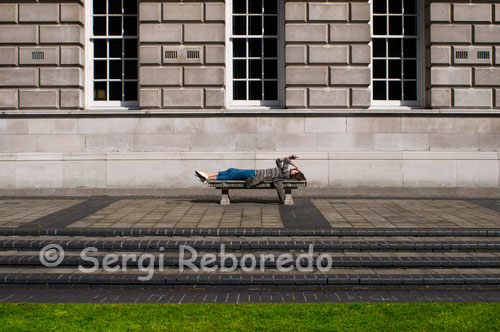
(200, 213)
(19, 212)
(104, 296)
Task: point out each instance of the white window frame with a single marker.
(254, 104)
(89, 66)
(420, 102)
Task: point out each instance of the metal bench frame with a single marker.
(288, 185)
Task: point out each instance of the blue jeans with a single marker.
(236, 174)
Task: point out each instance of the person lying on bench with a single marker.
(253, 177)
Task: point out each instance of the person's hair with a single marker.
(299, 176)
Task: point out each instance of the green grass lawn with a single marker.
(251, 317)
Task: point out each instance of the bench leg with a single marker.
(288, 197)
(224, 200)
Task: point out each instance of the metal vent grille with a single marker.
(483, 55)
(193, 54)
(170, 54)
(461, 55)
(472, 55)
(37, 55)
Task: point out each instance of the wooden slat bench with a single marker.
(288, 185)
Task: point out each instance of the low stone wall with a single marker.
(175, 169)
(161, 151)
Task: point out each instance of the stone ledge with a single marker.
(337, 155)
(251, 112)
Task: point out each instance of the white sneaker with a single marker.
(202, 175)
(199, 178)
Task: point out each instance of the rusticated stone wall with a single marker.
(327, 54)
(184, 83)
(471, 26)
(41, 55)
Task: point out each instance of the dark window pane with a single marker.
(379, 47)
(100, 71)
(131, 69)
(130, 6)
(395, 90)
(270, 25)
(394, 47)
(379, 70)
(395, 25)
(239, 25)
(270, 90)
(114, 6)
(99, 7)
(255, 90)
(379, 90)
(115, 90)
(395, 69)
(239, 47)
(239, 6)
(130, 26)
(410, 25)
(131, 48)
(410, 6)
(255, 25)
(271, 6)
(379, 6)
(115, 69)
(254, 47)
(130, 91)
(271, 69)
(239, 90)
(239, 69)
(100, 91)
(255, 6)
(410, 90)
(100, 48)
(255, 68)
(380, 25)
(410, 48)
(99, 26)
(115, 26)
(270, 47)
(395, 6)
(410, 69)
(115, 48)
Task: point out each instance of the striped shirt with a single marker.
(279, 172)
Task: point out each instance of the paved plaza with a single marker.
(311, 213)
(381, 249)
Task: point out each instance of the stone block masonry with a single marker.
(178, 84)
(41, 55)
(327, 54)
(464, 69)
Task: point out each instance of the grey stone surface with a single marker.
(184, 98)
(160, 76)
(38, 99)
(160, 33)
(204, 33)
(150, 12)
(182, 12)
(203, 76)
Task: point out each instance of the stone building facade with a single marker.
(136, 94)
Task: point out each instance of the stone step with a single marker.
(101, 232)
(409, 244)
(357, 279)
(337, 261)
